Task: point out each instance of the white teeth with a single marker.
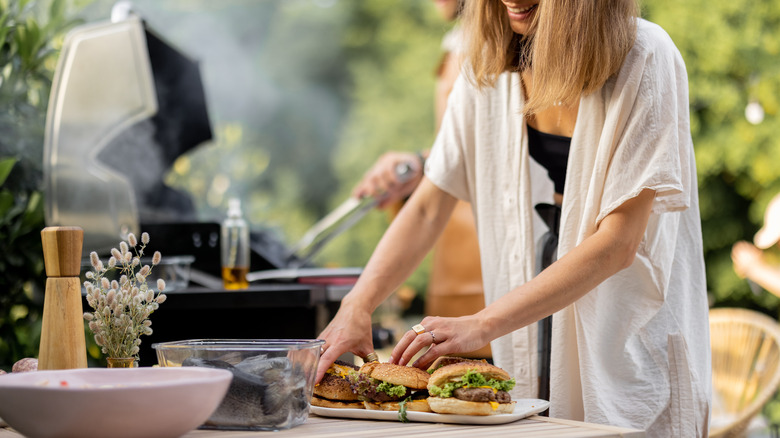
(520, 10)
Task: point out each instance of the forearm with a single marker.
(764, 275)
(406, 242)
(611, 249)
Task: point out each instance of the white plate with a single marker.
(101, 402)
(523, 408)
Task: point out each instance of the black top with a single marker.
(552, 152)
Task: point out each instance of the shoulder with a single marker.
(652, 40)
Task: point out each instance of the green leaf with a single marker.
(6, 164)
(6, 205)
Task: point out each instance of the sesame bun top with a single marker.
(453, 372)
(410, 377)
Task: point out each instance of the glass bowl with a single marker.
(273, 379)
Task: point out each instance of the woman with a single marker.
(630, 341)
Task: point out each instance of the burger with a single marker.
(449, 360)
(335, 389)
(470, 388)
(390, 387)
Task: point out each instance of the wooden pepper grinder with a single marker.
(62, 334)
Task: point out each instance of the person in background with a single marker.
(455, 283)
(749, 260)
(601, 96)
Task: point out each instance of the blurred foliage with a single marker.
(732, 53)
(29, 34)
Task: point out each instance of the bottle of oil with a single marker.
(235, 248)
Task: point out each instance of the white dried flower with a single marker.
(161, 298)
(131, 240)
(156, 258)
(160, 284)
(89, 275)
(121, 307)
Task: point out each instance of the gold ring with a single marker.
(418, 328)
(433, 337)
(371, 357)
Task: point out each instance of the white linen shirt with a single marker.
(634, 351)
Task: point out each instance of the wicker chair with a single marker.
(745, 367)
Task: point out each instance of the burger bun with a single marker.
(412, 405)
(451, 405)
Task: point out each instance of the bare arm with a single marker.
(409, 238)
(749, 263)
(610, 249)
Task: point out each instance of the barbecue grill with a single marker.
(121, 94)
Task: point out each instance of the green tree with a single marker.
(732, 52)
(29, 34)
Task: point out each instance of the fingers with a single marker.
(412, 342)
(382, 180)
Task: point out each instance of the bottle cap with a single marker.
(234, 207)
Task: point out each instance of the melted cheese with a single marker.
(339, 370)
(495, 391)
(494, 405)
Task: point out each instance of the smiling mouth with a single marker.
(521, 13)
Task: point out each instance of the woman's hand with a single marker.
(442, 336)
(382, 182)
(349, 331)
(745, 256)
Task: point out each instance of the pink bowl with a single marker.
(100, 402)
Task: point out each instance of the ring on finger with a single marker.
(418, 328)
(433, 337)
(371, 357)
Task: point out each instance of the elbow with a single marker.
(623, 253)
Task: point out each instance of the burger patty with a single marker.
(481, 395)
(379, 396)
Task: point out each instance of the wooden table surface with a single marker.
(323, 427)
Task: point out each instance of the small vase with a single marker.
(121, 362)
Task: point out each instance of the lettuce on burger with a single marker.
(470, 388)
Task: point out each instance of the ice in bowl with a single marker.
(273, 379)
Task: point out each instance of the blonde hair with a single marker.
(573, 46)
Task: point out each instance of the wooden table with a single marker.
(323, 427)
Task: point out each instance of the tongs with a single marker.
(347, 214)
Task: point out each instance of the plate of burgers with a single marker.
(454, 390)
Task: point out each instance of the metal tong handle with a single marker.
(343, 217)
